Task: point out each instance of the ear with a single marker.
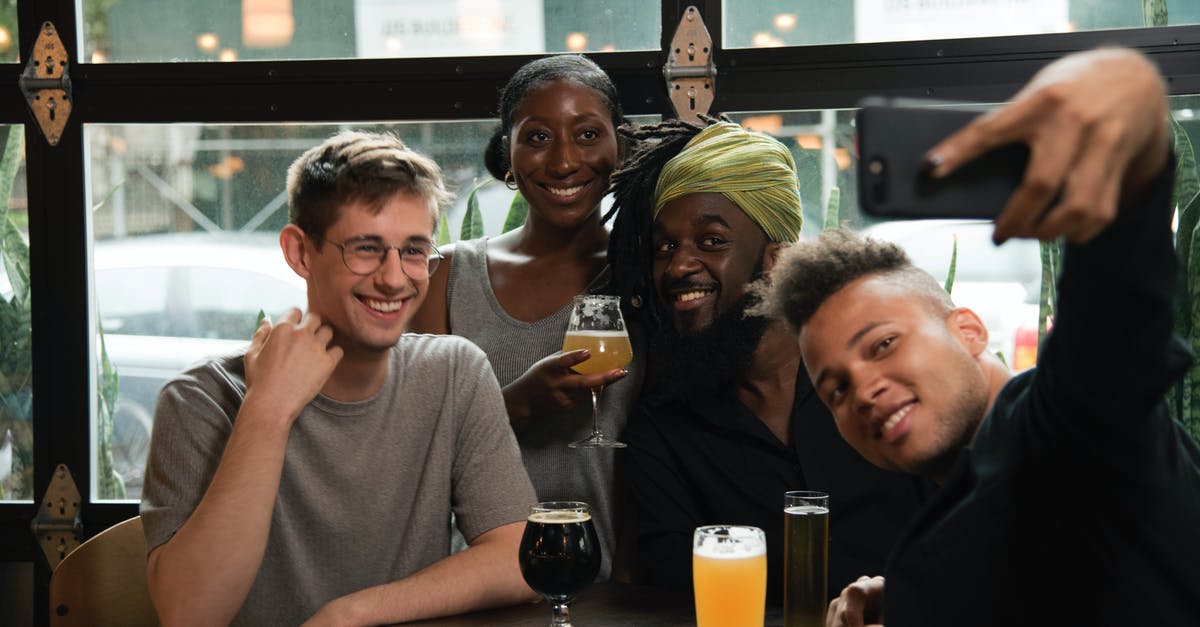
(292, 240)
(968, 329)
(771, 255)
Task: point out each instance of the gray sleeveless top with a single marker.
(558, 473)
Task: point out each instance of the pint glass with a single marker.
(806, 558)
(729, 573)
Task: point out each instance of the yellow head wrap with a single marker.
(753, 171)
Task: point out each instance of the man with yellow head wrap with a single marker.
(729, 420)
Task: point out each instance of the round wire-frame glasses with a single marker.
(365, 254)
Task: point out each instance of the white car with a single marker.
(167, 301)
(1000, 283)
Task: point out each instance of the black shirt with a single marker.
(1079, 500)
(712, 461)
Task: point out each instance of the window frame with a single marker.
(811, 77)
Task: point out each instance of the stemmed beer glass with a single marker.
(596, 324)
(559, 554)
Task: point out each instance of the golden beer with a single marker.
(806, 565)
(609, 350)
(730, 579)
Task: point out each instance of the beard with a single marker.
(710, 362)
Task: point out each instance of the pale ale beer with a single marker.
(729, 574)
(806, 558)
(609, 350)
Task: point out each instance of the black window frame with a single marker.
(813, 77)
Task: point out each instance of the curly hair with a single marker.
(356, 166)
(809, 273)
(565, 67)
(633, 184)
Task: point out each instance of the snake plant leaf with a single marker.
(1154, 12)
(1051, 254)
(953, 266)
(442, 237)
(472, 223)
(831, 207)
(12, 246)
(517, 211)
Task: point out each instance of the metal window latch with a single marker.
(57, 525)
(46, 84)
(690, 72)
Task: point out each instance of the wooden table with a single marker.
(601, 605)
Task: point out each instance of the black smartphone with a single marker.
(893, 137)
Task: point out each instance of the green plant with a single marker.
(472, 222)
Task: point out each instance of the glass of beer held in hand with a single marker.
(559, 553)
(729, 574)
(805, 558)
(596, 324)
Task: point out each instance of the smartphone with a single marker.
(893, 137)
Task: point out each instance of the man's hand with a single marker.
(859, 605)
(287, 364)
(1096, 126)
(550, 386)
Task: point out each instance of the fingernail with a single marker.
(932, 164)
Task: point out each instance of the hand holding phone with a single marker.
(894, 180)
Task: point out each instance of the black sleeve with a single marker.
(1112, 353)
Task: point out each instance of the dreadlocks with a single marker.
(629, 253)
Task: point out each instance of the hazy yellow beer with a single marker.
(805, 558)
(729, 574)
(609, 350)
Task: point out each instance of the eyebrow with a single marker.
(854, 339)
(412, 239)
(702, 220)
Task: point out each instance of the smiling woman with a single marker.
(557, 143)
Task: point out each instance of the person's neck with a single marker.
(537, 239)
(768, 387)
(358, 376)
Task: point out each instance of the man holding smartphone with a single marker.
(1068, 495)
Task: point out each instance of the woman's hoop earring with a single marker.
(509, 181)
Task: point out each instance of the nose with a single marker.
(683, 262)
(564, 158)
(391, 276)
(866, 385)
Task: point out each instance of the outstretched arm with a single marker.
(485, 575)
(202, 574)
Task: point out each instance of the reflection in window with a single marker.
(773, 23)
(16, 357)
(231, 30)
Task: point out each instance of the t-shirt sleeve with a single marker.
(490, 485)
(191, 427)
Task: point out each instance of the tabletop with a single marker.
(601, 605)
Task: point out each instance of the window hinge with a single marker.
(57, 525)
(690, 72)
(46, 84)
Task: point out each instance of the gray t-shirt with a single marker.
(559, 473)
(367, 487)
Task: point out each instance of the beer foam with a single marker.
(806, 510)
(559, 517)
(604, 334)
(730, 550)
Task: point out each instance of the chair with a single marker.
(102, 583)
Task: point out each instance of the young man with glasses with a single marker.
(312, 478)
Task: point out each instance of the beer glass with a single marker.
(596, 324)
(729, 574)
(559, 554)
(805, 558)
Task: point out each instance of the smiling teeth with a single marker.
(565, 191)
(384, 306)
(690, 296)
(895, 418)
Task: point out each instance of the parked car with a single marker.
(1000, 283)
(167, 301)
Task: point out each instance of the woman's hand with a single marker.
(859, 605)
(549, 386)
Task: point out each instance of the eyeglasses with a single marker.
(365, 254)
